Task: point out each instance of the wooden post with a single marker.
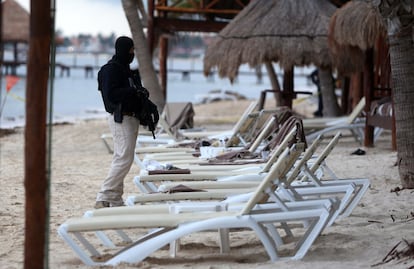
(345, 95)
(355, 90)
(35, 176)
(163, 64)
(1, 44)
(394, 127)
(150, 30)
(368, 86)
(288, 87)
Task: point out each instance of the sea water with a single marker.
(76, 97)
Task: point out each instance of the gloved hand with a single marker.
(154, 112)
(142, 93)
(148, 113)
(149, 116)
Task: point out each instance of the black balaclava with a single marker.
(122, 47)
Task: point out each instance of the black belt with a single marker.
(132, 114)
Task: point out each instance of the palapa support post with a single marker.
(1, 43)
(368, 87)
(163, 63)
(288, 86)
(35, 174)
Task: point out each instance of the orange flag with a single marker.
(10, 82)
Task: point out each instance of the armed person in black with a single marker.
(127, 102)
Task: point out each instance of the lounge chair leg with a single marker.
(269, 245)
(138, 162)
(108, 147)
(174, 248)
(311, 234)
(325, 167)
(146, 187)
(62, 231)
(224, 240)
(124, 236)
(360, 189)
(274, 234)
(105, 240)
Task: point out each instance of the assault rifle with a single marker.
(148, 115)
(151, 125)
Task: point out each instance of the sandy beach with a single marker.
(80, 161)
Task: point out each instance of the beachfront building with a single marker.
(14, 35)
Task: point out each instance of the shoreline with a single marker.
(202, 117)
(205, 114)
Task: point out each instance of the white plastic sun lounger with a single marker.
(231, 185)
(350, 191)
(146, 182)
(289, 188)
(178, 153)
(310, 178)
(260, 213)
(165, 137)
(163, 201)
(304, 177)
(323, 126)
(175, 157)
(251, 136)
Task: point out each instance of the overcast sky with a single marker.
(75, 17)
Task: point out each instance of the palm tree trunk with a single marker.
(329, 99)
(402, 64)
(144, 56)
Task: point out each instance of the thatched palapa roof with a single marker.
(354, 28)
(291, 32)
(357, 23)
(16, 21)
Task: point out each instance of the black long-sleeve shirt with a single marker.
(114, 83)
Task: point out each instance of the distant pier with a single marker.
(64, 70)
(10, 67)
